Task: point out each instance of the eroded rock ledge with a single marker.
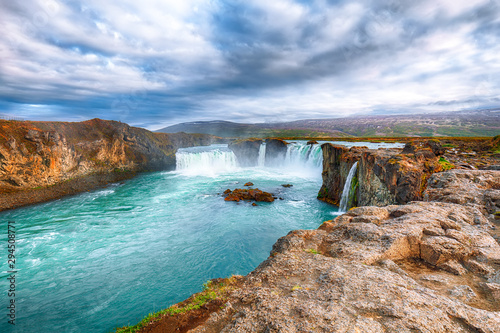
(419, 267)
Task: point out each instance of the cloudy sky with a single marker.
(153, 63)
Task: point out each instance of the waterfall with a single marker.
(344, 201)
(209, 161)
(300, 159)
(262, 155)
(299, 154)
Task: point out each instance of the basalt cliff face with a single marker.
(383, 177)
(39, 154)
(247, 151)
(427, 266)
(398, 176)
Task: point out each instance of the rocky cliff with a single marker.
(384, 176)
(35, 155)
(275, 151)
(419, 267)
(247, 151)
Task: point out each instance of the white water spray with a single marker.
(208, 161)
(303, 155)
(300, 159)
(344, 200)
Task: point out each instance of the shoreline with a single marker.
(23, 198)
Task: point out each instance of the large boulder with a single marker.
(247, 195)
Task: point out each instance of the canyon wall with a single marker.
(39, 154)
(384, 176)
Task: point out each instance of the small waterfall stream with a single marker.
(262, 155)
(344, 200)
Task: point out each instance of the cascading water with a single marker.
(262, 155)
(301, 156)
(344, 200)
(207, 161)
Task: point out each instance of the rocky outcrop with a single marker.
(246, 151)
(479, 190)
(248, 195)
(385, 176)
(423, 266)
(389, 177)
(38, 154)
(275, 151)
(337, 161)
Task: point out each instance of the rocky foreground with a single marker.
(428, 266)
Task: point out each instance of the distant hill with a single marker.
(460, 123)
(236, 130)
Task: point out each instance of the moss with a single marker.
(217, 289)
(445, 164)
(323, 192)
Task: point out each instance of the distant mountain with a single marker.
(460, 123)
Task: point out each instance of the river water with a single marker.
(106, 258)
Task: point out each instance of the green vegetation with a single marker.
(313, 251)
(353, 197)
(445, 164)
(217, 289)
(496, 144)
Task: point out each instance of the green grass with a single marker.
(211, 291)
(445, 164)
(313, 251)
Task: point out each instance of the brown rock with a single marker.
(248, 184)
(248, 195)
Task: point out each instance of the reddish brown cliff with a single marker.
(34, 155)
